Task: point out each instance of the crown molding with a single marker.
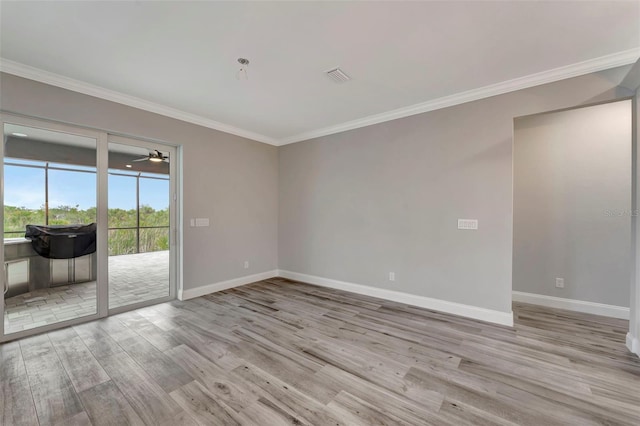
(32, 73)
(625, 57)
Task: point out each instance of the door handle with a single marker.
(6, 279)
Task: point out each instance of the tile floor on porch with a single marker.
(133, 278)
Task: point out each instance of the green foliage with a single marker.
(66, 215)
(16, 217)
(121, 241)
(120, 218)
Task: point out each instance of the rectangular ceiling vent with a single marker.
(337, 75)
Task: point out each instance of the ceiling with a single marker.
(179, 58)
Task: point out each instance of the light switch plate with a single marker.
(202, 221)
(468, 224)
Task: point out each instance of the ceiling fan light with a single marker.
(156, 159)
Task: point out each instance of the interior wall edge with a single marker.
(633, 344)
(467, 311)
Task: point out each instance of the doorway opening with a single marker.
(573, 209)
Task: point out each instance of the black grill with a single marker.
(62, 241)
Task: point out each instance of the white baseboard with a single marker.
(572, 305)
(224, 285)
(633, 344)
(483, 314)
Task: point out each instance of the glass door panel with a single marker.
(139, 223)
(49, 227)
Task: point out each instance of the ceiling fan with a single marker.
(155, 156)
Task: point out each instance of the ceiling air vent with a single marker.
(337, 75)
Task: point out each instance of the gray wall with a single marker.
(231, 180)
(356, 205)
(352, 206)
(572, 203)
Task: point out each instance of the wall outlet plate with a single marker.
(468, 224)
(559, 282)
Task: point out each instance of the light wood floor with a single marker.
(279, 352)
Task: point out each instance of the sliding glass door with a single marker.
(88, 223)
(141, 223)
(50, 250)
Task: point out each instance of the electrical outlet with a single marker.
(392, 276)
(559, 282)
(246, 264)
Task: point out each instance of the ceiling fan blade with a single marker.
(140, 159)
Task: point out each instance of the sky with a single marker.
(24, 187)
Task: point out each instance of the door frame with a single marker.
(633, 336)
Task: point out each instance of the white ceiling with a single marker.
(179, 58)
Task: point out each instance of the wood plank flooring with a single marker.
(279, 352)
